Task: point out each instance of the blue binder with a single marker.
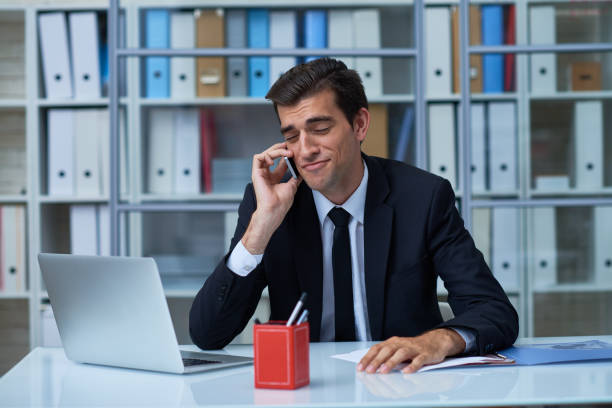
(104, 74)
(493, 34)
(315, 30)
(157, 35)
(258, 37)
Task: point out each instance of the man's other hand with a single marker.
(429, 348)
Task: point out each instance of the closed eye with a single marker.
(290, 138)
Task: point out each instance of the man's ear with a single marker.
(361, 123)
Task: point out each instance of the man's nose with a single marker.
(308, 145)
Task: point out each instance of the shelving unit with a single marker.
(142, 206)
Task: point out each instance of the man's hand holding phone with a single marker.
(274, 198)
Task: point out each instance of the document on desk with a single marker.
(357, 355)
(530, 354)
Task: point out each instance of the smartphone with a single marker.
(291, 166)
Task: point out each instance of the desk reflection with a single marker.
(86, 385)
(444, 384)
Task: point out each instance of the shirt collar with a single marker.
(354, 205)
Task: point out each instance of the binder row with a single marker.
(78, 153)
(181, 150)
(12, 249)
(489, 73)
(585, 164)
(496, 233)
(546, 249)
(74, 54)
(90, 230)
(494, 145)
(252, 28)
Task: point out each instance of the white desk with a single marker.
(46, 378)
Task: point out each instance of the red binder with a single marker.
(208, 136)
(509, 59)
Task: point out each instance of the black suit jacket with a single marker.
(412, 234)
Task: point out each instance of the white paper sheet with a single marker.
(357, 355)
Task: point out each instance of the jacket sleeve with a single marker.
(476, 297)
(226, 301)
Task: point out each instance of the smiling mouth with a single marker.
(314, 166)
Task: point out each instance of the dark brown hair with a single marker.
(306, 79)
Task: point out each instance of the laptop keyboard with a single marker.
(188, 362)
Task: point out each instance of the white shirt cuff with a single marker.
(241, 261)
(468, 336)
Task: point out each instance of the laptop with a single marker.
(112, 311)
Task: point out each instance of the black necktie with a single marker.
(343, 278)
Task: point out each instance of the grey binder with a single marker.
(236, 66)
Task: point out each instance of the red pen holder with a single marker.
(281, 355)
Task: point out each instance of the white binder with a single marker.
(86, 149)
(103, 140)
(236, 37)
(588, 144)
(437, 51)
(368, 36)
(182, 70)
(502, 146)
(103, 217)
(104, 239)
(505, 247)
(53, 39)
(542, 29)
(340, 33)
(161, 150)
(544, 237)
(515, 302)
(13, 248)
(442, 141)
(602, 225)
(478, 167)
(187, 151)
(60, 148)
(231, 220)
(85, 54)
(283, 32)
(83, 230)
(481, 232)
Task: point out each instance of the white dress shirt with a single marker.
(355, 205)
(241, 262)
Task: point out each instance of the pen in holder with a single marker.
(281, 355)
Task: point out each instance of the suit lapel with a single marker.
(309, 256)
(378, 223)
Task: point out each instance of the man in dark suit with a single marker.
(365, 237)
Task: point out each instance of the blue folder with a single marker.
(157, 35)
(104, 74)
(258, 37)
(315, 30)
(529, 354)
(493, 34)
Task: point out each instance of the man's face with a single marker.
(325, 146)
